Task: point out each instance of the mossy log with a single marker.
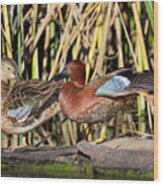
(124, 153)
(124, 158)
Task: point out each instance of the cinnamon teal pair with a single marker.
(29, 103)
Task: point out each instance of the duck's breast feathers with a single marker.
(125, 83)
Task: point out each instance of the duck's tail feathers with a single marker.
(142, 82)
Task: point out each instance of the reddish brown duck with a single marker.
(26, 104)
(101, 98)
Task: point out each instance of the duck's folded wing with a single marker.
(21, 113)
(30, 97)
(123, 84)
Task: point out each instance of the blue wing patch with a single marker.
(20, 113)
(113, 87)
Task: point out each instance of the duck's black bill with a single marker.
(60, 76)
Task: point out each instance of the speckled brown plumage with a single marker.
(26, 101)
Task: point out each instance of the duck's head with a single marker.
(9, 69)
(75, 71)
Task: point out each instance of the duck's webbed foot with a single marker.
(102, 136)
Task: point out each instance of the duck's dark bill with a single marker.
(61, 75)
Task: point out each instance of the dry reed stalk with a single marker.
(100, 58)
(2, 45)
(119, 40)
(61, 21)
(127, 36)
(7, 30)
(42, 27)
(4, 141)
(75, 130)
(149, 117)
(65, 133)
(35, 64)
(77, 46)
(93, 18)
(19, 38)
(14, 141)
(47, 137)
(7, 40)
(140, 35)
(56, 60)
(91, 55)
(46, 46)
(74, 32)
(71, 133)
(27, 15)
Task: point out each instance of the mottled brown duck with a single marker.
(28, 103)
